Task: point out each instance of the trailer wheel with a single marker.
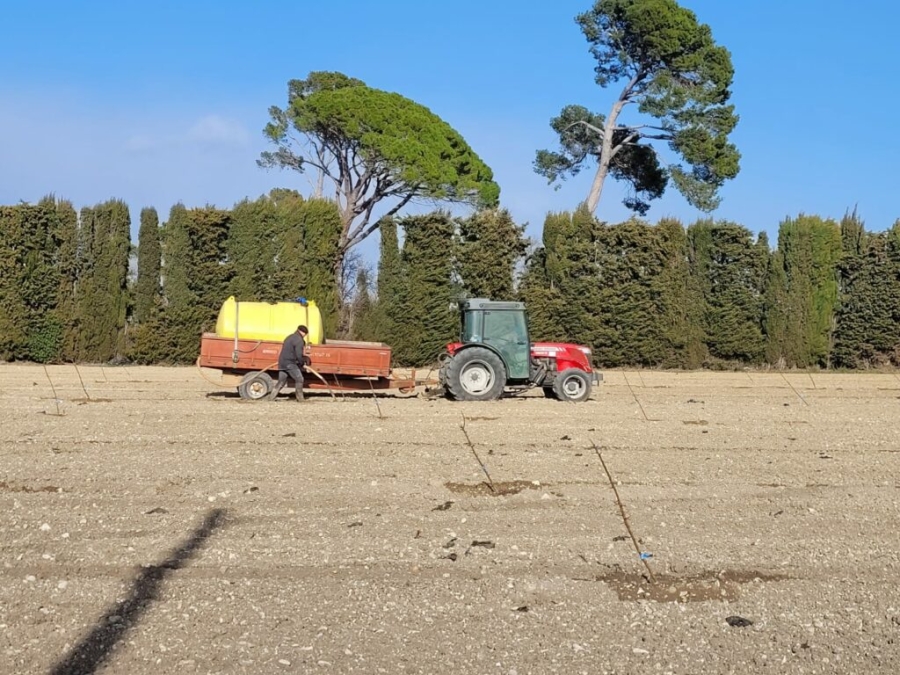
(476, 374)
(572, 385)
(255, 386)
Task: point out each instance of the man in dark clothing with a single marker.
(290, 361)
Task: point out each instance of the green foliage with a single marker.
(421, 312)
(45, 339)
(195, 279)
(147, 290)
(730, 270)
(559, 285)
(13, 307)
(543, 302)
(385, 315)
(321, 229)
(67, 267)
(803, 292)
(680, 300)
(868, 320)
(282, 247)
(489, 245)
(628, 263)
(376, 147)
(104, 247)
(252, 249)
(580, 135)
(674, 72)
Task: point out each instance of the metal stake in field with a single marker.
(53, 389)
(612, 484)
(81, 379)
(474, 452)
(375, 398)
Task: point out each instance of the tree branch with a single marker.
(362, 234)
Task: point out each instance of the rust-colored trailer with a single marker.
(251, 365)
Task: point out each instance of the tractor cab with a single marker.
(502, 327)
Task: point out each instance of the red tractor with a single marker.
(495, 354)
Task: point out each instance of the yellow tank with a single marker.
(269, 321)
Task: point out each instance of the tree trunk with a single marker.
(606, 152)
(597, 186)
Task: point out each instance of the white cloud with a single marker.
(218, 130)
(210, 131)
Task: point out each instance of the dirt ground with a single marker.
(152, 523)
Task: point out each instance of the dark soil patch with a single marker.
(500, 489)
(24, 488)
(703, 587)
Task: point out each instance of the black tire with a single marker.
(255, 386)
(549, 393)
(572, 385)
(475, 374)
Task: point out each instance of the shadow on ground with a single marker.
(90, 654)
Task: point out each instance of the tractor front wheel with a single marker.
(475, 374)
(572, 385)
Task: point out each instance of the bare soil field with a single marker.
(151, 523)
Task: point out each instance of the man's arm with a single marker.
(299, 344)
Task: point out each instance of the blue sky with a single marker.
(161, 102)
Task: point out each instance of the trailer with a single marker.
(251, 366)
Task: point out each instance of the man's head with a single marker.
(303, 330)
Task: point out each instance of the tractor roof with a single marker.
(495, 305)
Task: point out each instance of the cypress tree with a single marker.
(386, 311)
(730, 269)
(543, 301)
(251, 248)
(680, 300)
(571, 264)
(66, 300)
(13, 311)
(321, 228)
(428, 290)
(104, 249)
(147, 289)
(868, 323)
(629, 260)
(176, 339)
(489, 246)
(803, 296)
(29, 282)
(195, 278)
(559, 285)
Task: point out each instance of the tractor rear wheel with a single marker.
(572, 385)
(476, 374)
